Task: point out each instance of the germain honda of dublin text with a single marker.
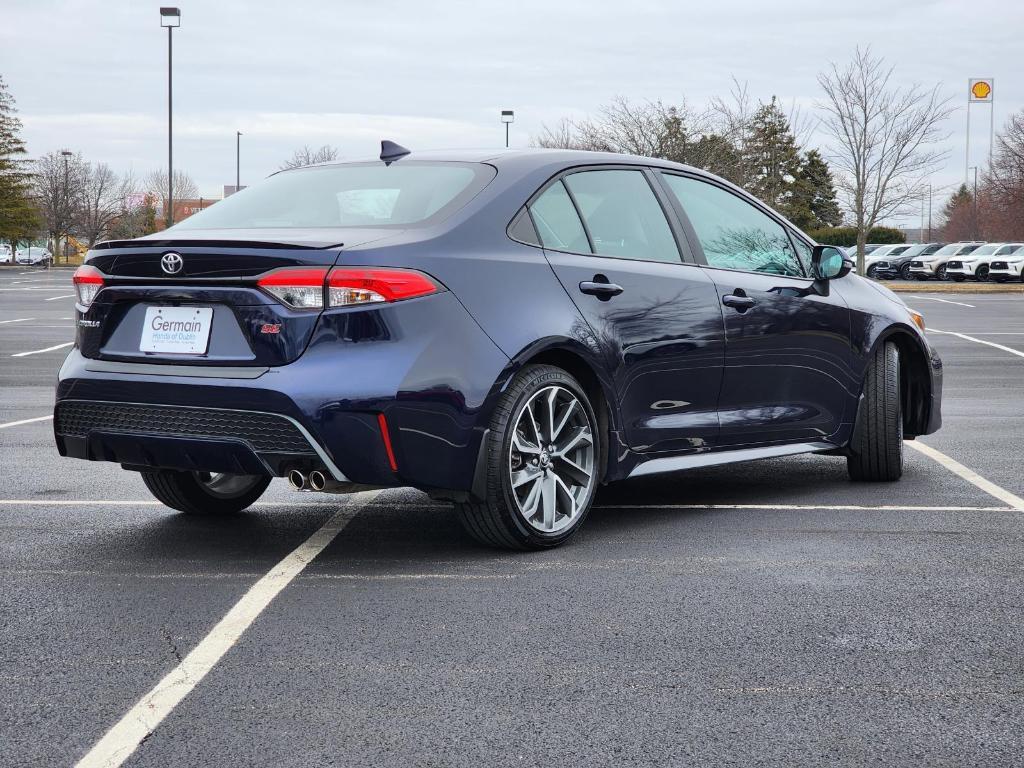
(505, 330)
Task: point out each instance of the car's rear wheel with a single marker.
(204, 493)
(877, 452)
(543, 463)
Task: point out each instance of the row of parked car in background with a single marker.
(33, 256)
(998, 262)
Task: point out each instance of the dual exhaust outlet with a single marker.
(314, 481)
(322, 483)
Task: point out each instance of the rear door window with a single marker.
(557, 222)
(622, 214)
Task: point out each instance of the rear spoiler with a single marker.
(188, 243)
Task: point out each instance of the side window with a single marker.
(733, 233)
(522, 229)
(624, 218)
(556, 220)
(803, 252)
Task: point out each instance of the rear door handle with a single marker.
(739, 303)
(601, 290)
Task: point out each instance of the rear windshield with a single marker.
(352, 195)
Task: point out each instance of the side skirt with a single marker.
(715, 458)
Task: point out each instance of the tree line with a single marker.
(995, 211)
(881, 144)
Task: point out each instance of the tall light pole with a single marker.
(507, 117)
(929, 213)
(56, 246)
(238, 160)
(170, 18)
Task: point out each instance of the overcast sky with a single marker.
(91, 75)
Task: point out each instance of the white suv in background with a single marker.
(934, 265)
(1010, 267)
(976, 264)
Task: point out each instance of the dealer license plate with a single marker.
(177, 330)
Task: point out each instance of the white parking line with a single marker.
(19, 320)
(40, 351)
(944, 301)
(141, 720)
(954, 466)
(25, 421)
(1012, 351)
(54, 298)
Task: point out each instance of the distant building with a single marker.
(185, 208)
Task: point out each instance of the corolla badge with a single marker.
(171, 263)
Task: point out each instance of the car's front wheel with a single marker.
(941, 274)
(543, 462)
(981, 273)
(905, 271)
(204, 493)
(876, 454)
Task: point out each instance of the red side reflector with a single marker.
(387, 441)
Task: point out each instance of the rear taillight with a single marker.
(369, 285)
(304, 288)
(87, 281)
(301, 288)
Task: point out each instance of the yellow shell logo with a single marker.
(981, 90)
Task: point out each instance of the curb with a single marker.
(932, 286)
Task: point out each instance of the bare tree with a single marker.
(884, 139)
(56, 180)
(307, 156)
(185, 188)
(102, 198)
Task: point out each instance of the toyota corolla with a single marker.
(504, 330)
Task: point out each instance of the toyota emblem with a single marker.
(171, 263)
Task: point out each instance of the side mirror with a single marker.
(829, 263)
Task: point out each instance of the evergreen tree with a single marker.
(813, 205)
(959, 216)
(771, 153)
(18, 219)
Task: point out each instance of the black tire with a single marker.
(496, 521)
(197, 493)
(872, 272)
(877, 455)
(940, 272)
(905, 271)
(981, 273)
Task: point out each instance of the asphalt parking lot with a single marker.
(756, 614)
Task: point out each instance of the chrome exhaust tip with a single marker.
(297, 480)
(317, 480)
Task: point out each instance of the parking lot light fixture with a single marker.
(507, 117)
(170, 18)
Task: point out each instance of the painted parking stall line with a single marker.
(41, 351)
(976, 340)
(944, 301)
(17, 320)
(954, 466)
(25, 421)
(66, 296)
(141, 720)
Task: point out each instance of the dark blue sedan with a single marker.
(504, 330)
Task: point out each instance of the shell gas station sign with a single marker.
(981, 89)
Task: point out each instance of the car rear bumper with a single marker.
(428, 371)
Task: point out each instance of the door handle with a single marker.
(738, 301)
(601, 290)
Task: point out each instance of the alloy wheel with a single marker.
(551, 461)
